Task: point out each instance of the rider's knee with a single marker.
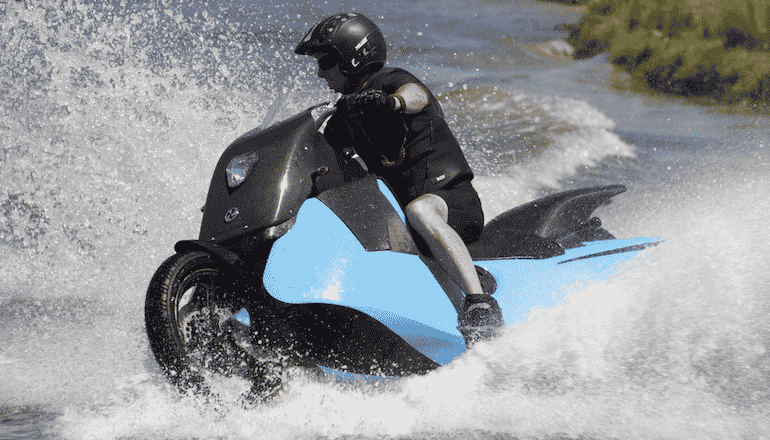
(426, 208)
(427, 212)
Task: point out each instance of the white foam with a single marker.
(578, 135)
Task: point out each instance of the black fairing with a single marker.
(277, 184)
(369, 215)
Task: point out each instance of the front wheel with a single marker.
(189, 302)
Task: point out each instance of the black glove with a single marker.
(370, 101)
(338, 132)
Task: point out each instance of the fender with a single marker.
(218, 253)
(247, 254)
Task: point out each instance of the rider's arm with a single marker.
(411, 98)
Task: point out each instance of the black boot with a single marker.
(482, 319)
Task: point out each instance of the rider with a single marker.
(397, 127)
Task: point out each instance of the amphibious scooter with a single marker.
(304, 260)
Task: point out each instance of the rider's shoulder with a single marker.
(396, 76)
(398, 72)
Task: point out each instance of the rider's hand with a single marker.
(337, 132)
(370, 101)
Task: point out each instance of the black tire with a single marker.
(186, 309)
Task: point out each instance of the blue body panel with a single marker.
(320, 261)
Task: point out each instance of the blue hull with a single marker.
(321, 261)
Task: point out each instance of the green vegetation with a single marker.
(718, 48)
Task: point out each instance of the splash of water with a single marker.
(113, 118)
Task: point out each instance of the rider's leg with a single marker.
(428, 215)
(482, 317)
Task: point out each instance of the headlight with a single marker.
(238, 168)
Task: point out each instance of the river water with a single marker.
(114, 114)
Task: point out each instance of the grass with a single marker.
(717, 48)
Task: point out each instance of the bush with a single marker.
(718, 48)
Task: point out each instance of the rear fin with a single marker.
(544, 227)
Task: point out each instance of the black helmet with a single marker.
(355, 38)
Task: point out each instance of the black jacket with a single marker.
(431, 157)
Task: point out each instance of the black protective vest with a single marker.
(431, 158)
